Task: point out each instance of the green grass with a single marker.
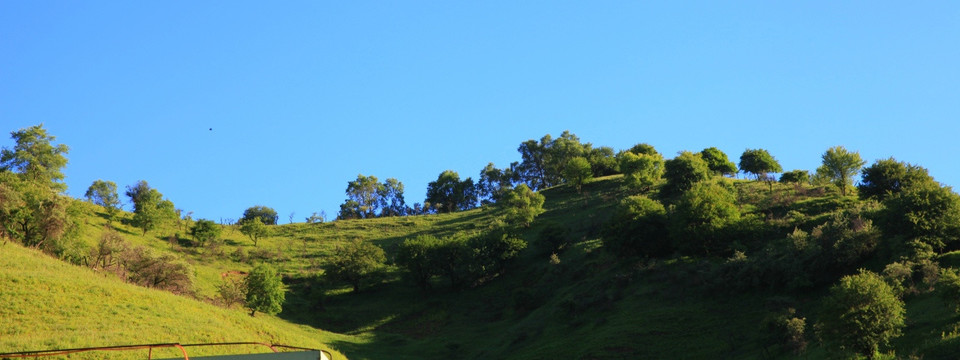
(45, 303)
(590, 305)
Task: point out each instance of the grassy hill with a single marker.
(581, 303)
(45, 304)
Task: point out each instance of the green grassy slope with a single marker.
(45, 303)
(584, 304)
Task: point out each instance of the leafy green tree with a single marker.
(861, 314)
(493, 183)
(925, 211)
(643, 149)
(363, 197)
(36, 158)
(265, 290)
(453, 258)
(683, 171)
(450, 193)
(355, 261)
(795, 177)
(149, 206)
(641, 171)
(559, 154)
(254, 228)
(888, 177)
(532, 170)
(718, 162)
(205, 230)
(34, 214)
(759, 162)
(697, 221)
(391, 199)
(267, 215)
(638, 227)
(578, 172)
(603, 161)
(418, 256)
(104, 193)
(522, 205)
(839, 166)
(494, 249)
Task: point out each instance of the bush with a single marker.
(861, 314)
(697, 221)
(786, 330)
(162, 272)
(355, 261)
(637, 227)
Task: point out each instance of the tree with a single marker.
(418, 257)
(451, 193)
(36, 157)
(34, 214)
(205, 230)
(700, 216)
(494, 249)
(759, 162)
(888, 177)
(638, 227)
(355, 261)
(254, 228)
(267, 215)
(149, 206)
(860, 314)
(522, 205)
(391, 199)
(265, 290)
(493, 183)
(925, 211)
(578, 172)
(560, 152)
(532, 169)
(718, 162)
(603, 162)
(641, 171)
(795, 177)
(104, 193)
(683, 171)
(643, 149)
(839, 166)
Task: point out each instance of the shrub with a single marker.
(637, 227)
(861, 314)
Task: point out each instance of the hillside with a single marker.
(583, 302)
(48, 304)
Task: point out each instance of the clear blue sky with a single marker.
(304, 95)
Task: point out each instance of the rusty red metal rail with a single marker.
(149, 348)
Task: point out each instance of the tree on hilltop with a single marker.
(267, 215)
(839, 166)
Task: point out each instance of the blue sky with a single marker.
(303, 96)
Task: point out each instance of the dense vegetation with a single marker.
(574, 251)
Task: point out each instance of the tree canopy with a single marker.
(839, 166)
(683, 171)
(36, 157)
(450, 194)
(888, 177)
(267, 215)
(759, 162)
(861, 314)
(355, 261)
(265, 290)
(104, 193)
(149, 206)
(718, 162)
